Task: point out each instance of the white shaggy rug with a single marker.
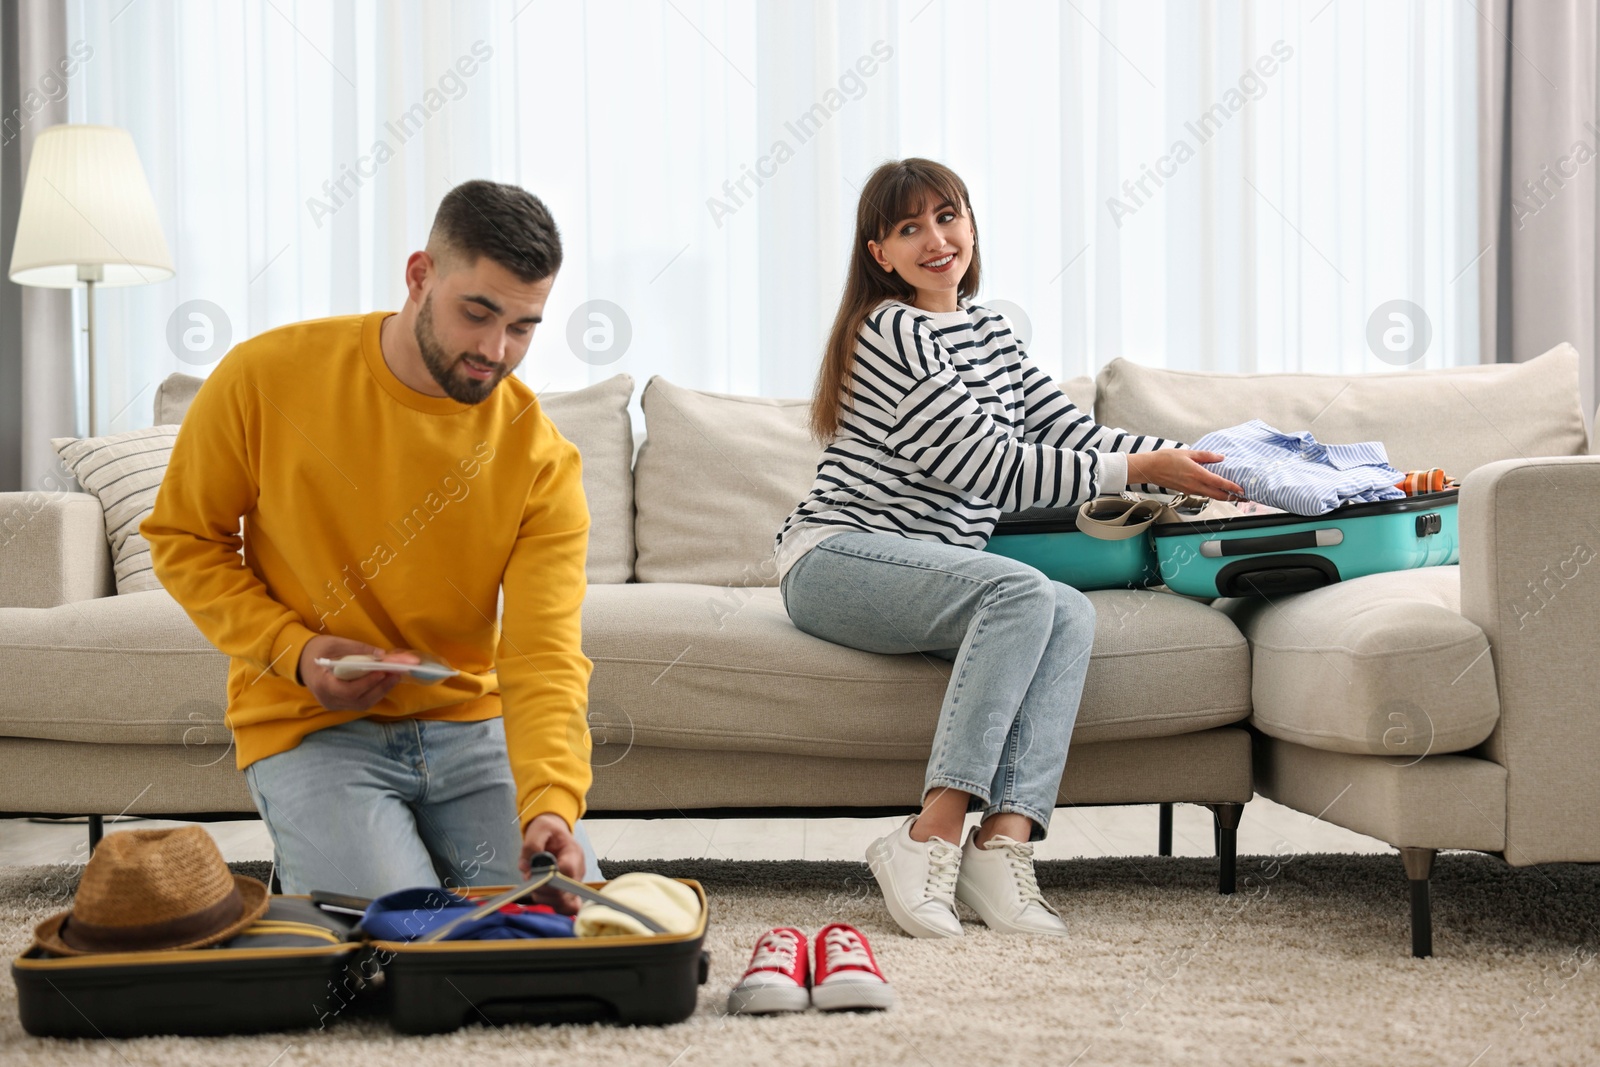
(1308, 964)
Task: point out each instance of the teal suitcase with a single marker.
(1049, 539)
(1264, 555)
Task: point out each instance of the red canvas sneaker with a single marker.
(847, 977)
(777, 978)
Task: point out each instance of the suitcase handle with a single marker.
(1265, 575)
(343, 903)
(1246, 546)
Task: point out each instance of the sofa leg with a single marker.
(1225, 826)
(97, 830)
(1419, 868)
(1164, 831)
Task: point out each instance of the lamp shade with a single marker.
(86, 204)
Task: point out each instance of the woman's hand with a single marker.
(1179, 470)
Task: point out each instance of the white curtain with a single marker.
(47, 373)
(1539, 90)
(703, 160)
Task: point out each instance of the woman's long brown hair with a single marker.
(897, 190)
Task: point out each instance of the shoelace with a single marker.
(775, 951)
(944, 864)
(1020, 857)
(844, 949)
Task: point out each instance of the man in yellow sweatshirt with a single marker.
(392, 475)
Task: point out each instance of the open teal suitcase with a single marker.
(1264, 555)
(1049, 540)
(1250, 555)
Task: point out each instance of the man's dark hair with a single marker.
(509, 225)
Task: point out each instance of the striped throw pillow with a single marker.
(124, 470)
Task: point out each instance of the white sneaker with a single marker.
(998, 883)
(918, 879)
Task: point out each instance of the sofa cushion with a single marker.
(124, 471)
(676, 666)
(1457, 418)
(714, 667)
(129, 669)
(1080, 391)
(173, 397)
(716, 477)
(749, 460)
(1381, 665)
(595, 418)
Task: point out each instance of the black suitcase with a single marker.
(268, 979)
(285, 979)
(442, 985)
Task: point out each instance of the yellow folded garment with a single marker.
(672, 904)
(268, 927)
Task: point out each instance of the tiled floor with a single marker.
(1119, 831)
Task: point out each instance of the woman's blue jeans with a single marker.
(1018, 643)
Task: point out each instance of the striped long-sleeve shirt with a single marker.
(949, 424)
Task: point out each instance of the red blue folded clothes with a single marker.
(408, 914)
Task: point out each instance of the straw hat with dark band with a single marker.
(144, 890)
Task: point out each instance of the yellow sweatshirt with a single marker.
(375, 512)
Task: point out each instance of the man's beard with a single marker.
(445, 369)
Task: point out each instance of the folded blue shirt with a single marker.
(1295, 472)
(407, 914)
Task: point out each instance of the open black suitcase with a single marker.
(297, 968)
(646, 980)
(293, 969)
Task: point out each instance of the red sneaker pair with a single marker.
(780, 976)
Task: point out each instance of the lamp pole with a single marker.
(89, 273)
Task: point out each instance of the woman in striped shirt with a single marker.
(935, 421)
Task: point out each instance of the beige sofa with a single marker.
(706, 700)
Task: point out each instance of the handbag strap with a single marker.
(1117, 518)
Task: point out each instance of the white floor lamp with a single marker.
(88, 218)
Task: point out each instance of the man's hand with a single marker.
(1179, 469)
(549, 833)
(358, 694)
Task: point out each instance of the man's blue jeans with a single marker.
(374, 805)
(1019, 644)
